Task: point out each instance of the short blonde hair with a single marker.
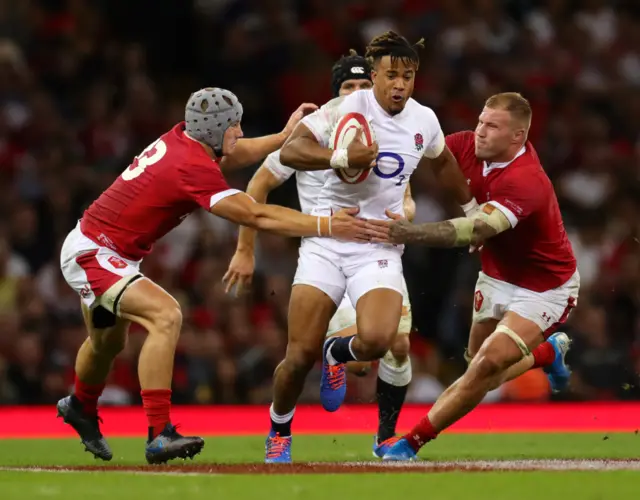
(514, 103)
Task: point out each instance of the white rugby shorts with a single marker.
(549, 309)
(353, 274)
(98, 274)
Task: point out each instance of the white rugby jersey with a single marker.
(309, 183)
(403, 140)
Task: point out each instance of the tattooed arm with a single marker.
(458, 232)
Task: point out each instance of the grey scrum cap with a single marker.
(209, 113)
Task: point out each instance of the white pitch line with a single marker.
(506, 465)
(463, 465)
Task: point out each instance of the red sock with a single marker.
(157, 405)
(422, 433)
(543, 355)
(88, 396)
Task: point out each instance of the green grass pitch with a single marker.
(459, 485)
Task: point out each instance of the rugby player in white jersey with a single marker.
(349, 74)
(408, 134)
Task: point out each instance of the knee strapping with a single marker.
(515, 337)
(394, 373)
(111, 298)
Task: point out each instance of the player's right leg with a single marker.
(107, 338)
(318, 287)
(492, 298)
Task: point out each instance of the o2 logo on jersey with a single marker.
(389, 165)
(153, 153)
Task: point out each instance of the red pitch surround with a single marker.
(41, 422)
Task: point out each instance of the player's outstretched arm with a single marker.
(463, 231)
(303, 152)
(241, 209)
(242, 263)
(259, 187)
(251, 151)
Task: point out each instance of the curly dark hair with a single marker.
(391, 44)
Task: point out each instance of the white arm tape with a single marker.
(340, 159)
(496, 219)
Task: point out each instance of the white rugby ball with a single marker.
(343, 134)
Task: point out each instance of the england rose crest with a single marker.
(419, 142)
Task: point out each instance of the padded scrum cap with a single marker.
(349, 68)
(209, 113)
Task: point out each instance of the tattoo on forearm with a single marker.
(438, 234)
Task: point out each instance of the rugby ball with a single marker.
(342, 135)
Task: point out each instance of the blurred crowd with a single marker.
(87, 84)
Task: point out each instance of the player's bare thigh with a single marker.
(149, 305)
(514, 338)
(378, 314)
(399, 348)
(310, 310)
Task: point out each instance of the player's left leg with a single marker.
(375, 286)
(394, 370)
(394, 377)
(343, 324)
(153, 308)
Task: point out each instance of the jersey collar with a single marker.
(489, 167)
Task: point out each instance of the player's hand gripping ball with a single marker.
(350, 127)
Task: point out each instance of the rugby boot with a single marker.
(401, 451)
(277, 449)
(87, 427)
(380, 449)
(333, 384)
(169, 445)
(558, 372)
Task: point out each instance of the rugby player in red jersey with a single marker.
(529, 282)
(100, 258)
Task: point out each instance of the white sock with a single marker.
(280, 419)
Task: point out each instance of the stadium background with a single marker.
(85, 85)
